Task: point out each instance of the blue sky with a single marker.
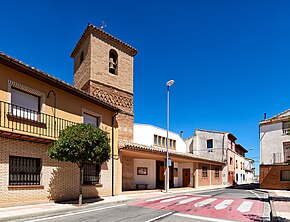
(230, 59)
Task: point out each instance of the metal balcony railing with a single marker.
(281, 157)
(19, 119)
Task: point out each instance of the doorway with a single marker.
(186, 177)
(160, 175)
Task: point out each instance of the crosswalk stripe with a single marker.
(188, 200)
(172, 199)
(205, 202)
(159, 198)
(245, 206)
(223, 204)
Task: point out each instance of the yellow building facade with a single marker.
(35, 106)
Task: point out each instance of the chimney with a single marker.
(265, 116)
(181, 134)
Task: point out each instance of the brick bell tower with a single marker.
(103, 67)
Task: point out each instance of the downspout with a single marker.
(113, 154)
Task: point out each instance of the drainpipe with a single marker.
(113, 154)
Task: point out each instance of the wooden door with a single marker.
(186, 177)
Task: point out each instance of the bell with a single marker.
(111, 66)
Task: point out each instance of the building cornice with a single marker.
(91, 29)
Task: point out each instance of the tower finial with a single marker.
(103, 25)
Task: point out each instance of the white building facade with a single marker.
(220, 146)
(185, 169)
(275, 152)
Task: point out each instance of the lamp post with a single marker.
(169, 83)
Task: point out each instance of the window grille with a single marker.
(24, 171)
(204, 171)
(92, 173)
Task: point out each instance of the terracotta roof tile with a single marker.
(139, 147)
(91, 28)
(31, 71)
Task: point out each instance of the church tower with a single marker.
(103, 67)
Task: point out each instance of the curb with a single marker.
(71, 208)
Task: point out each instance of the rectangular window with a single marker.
(285, 175)
(217, 172)
(24, 105)
(163, 141)
(24, 170)
(155, 140)
(237, 166)
(204, 171)
(174, 144)
(241, 165)
(91, 119)
(92, 173)
(231, 161)
(159, 140)
(209, 143)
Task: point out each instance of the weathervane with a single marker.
(103, 25)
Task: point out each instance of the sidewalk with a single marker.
(42, 209)
(280, 204)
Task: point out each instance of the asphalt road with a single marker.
(220, 205)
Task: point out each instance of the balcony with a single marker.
(19, 120)
(281, 157)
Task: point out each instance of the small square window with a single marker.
(285, 175)
(209, 143)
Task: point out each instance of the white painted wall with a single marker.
(198, 144)
(144, 134)
(150, 178)
(271, 141)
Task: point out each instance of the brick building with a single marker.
(34, 106)
(275, 152)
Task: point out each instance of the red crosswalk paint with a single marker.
(214, 207)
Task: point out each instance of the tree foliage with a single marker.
(81, 144)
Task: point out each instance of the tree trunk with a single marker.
(81, 186)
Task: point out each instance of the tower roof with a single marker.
(106, 36)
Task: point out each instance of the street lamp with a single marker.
(169, 83)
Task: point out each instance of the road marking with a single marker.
(255, 194)
(200, 218)
(172, 199)
(245, 206)
(188, 200)
(223, 204)
(205, 202)
(157, 218)
(76, 213)
(159, 198)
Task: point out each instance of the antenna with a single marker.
(103, 25)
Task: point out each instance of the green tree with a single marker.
(81, 144)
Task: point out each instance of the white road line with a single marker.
(76, 213)
(159, 198)
(223, 204)
(255, 194)
(172, 199)
(188, 200)
(205, 202)
(157, 218)
(245, 206)
(201, 218)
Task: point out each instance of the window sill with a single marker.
(95, 185)
(25, 187)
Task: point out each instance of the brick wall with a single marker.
(59, 180)
(203, 181)
(270, 177)
(216, 180)
(128, 173)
